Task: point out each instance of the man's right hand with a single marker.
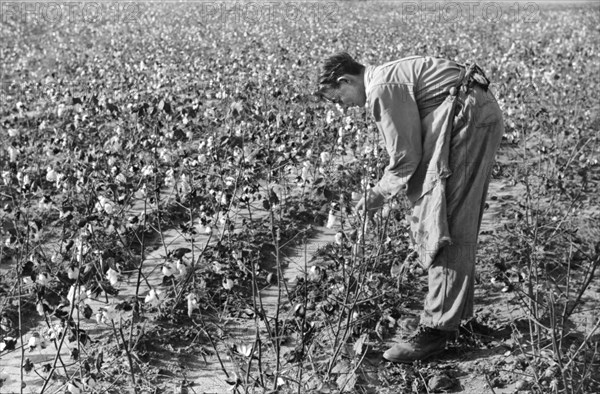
(372, 203)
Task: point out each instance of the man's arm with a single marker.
(397, 117)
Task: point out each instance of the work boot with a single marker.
(426, 342)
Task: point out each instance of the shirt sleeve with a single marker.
(397, 117)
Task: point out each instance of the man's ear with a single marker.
(343, 78)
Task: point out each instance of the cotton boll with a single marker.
(73, 272)
(217, 267)
(192, 303)
(109, 207)
(120, 178)
(6, 178)
(13, 153)
(76, 294)
(229, 181)
(148, 170)
(34, 340)
(227, 284)
(39, 307)
(112, 276)
(109, 315)
(154, 298)
(167, 270)
(82, 292)
(55, 332)
(329, 117)
(104, 204)
(339, 236)
(331, 219)
(26, 180)
(50, 174)
(140, 193)
(91, 382)
(73, 388)
(181, 268)
(42, 280)
(305, 175)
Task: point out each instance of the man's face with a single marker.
(349, 93)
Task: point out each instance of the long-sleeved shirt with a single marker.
(399, 95)
(410, 101)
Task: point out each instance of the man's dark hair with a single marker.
(337, 65)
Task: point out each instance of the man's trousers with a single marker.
(476, 134)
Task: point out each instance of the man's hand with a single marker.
(371, 204)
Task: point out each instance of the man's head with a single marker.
(342, 81)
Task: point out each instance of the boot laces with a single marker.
(425, 333)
